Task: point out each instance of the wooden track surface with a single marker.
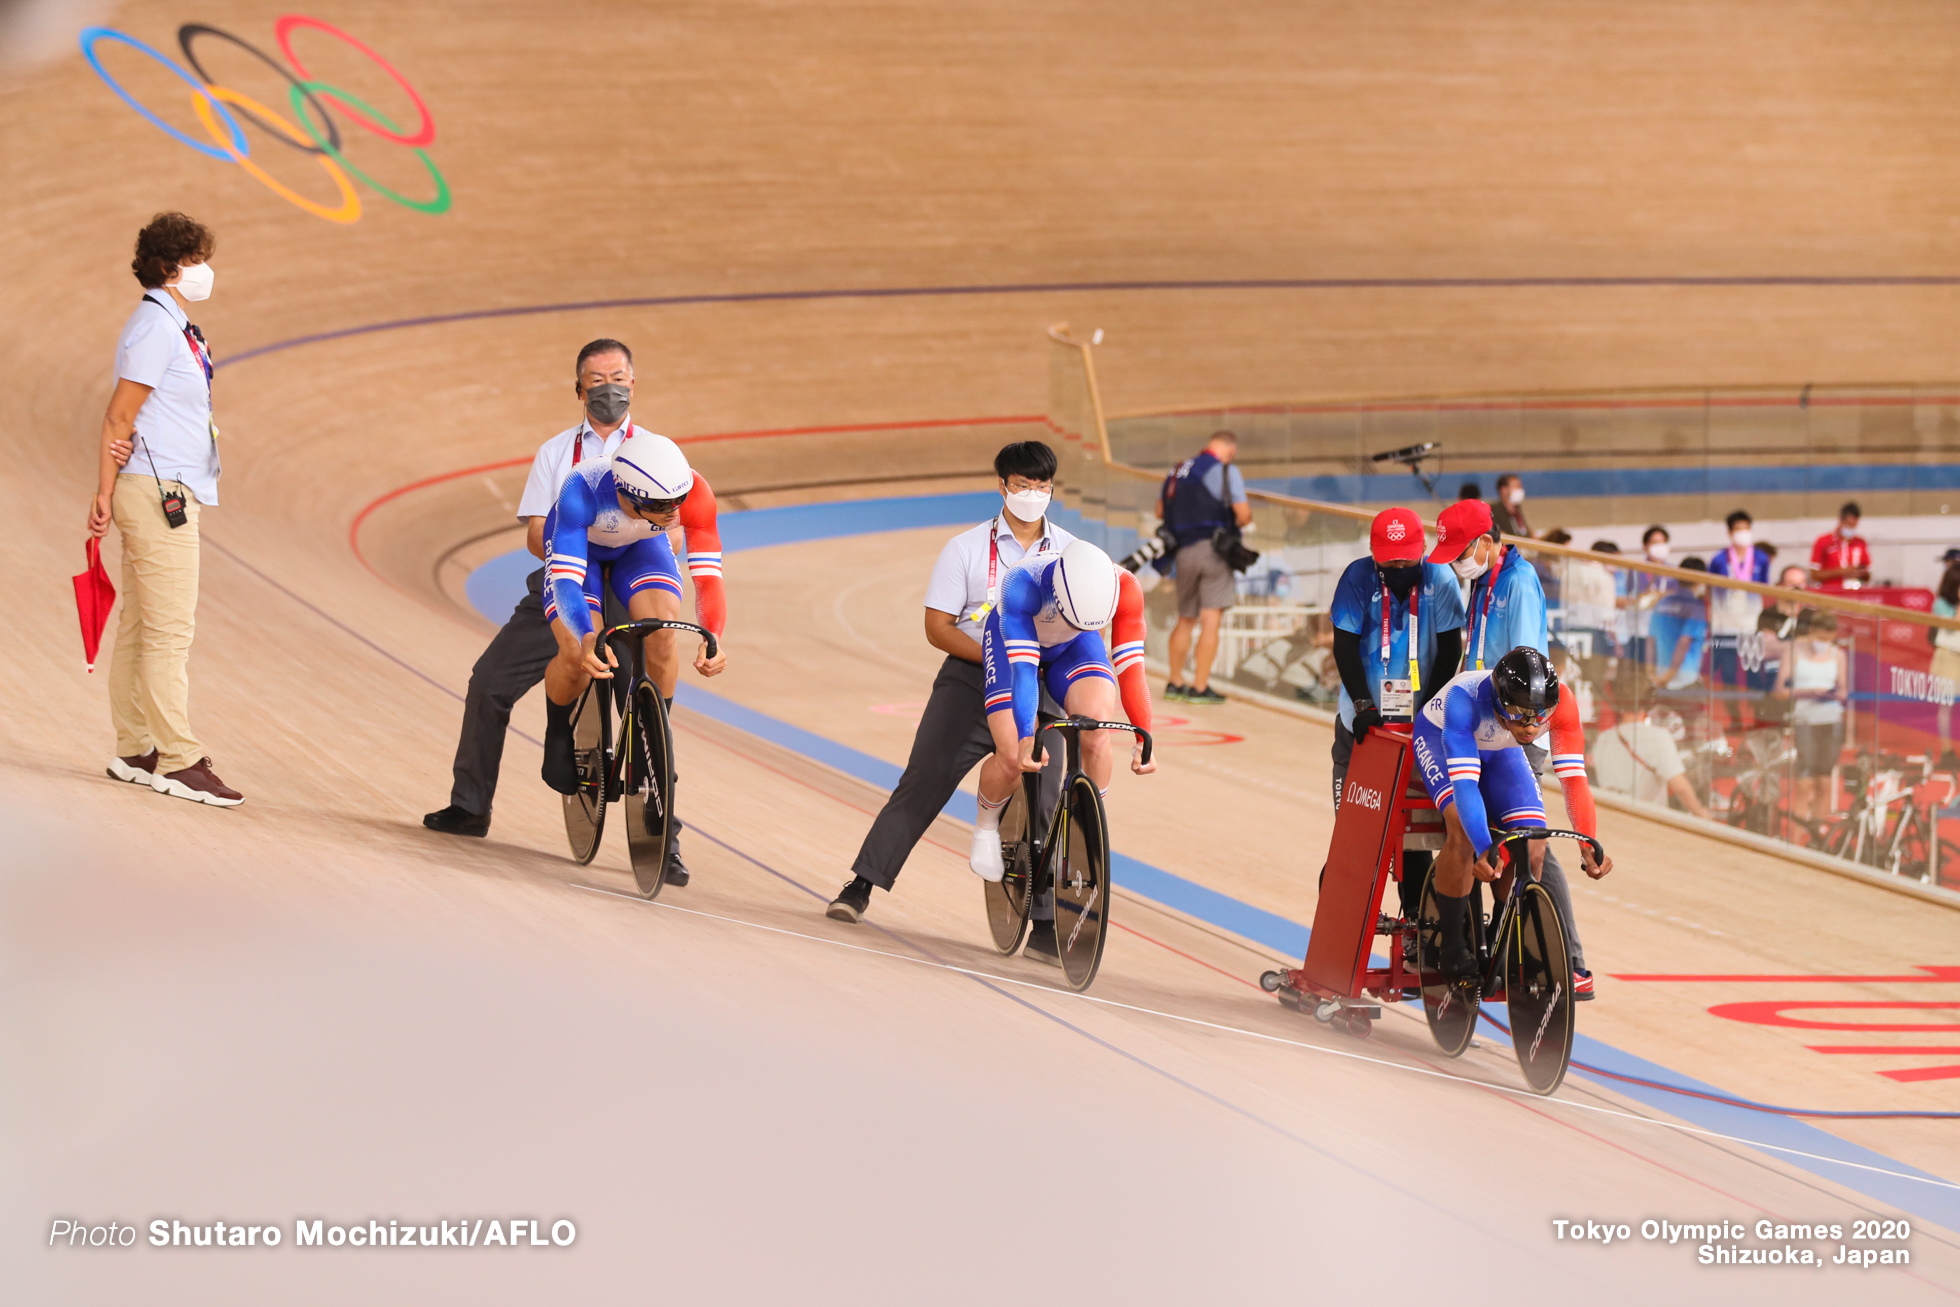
(309, 1005)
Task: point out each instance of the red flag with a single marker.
(94, 597)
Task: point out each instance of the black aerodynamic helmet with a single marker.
(1524, 685)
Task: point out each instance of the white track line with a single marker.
(1273, 1039)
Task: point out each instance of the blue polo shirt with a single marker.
(1507, 609)
(1357, 607)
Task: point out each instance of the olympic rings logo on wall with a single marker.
(219, 109)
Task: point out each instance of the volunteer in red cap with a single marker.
(1397, 632)
(1398, 635)
(1506, 604)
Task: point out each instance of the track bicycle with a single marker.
(1521, 957)
(1070, 855)
(641, 773)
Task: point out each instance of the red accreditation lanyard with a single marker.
(578, 441)
(1415, 627)
(993, 565)
(1483, 618)
(199, 351)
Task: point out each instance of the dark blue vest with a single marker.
(1190, 510)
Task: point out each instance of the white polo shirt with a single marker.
(959, 579)
(175, 439)
(554, 463)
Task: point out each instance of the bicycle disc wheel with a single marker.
(1082, 891)
(585, 812)
(1009, 900)
(1452, 1015)
(1538, 990)
(649, 789)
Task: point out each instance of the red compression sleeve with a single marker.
(704, 555)
(1126, 637)
(1569, 764)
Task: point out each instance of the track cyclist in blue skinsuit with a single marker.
(1469, 744)
(1047, 626)
(614, 514)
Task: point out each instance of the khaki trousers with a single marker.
(149, 674)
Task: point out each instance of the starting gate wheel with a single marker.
(1538, 990)
(1270, 981)
(1452, 1013)
(1357, 1024)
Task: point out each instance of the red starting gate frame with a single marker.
(1385, 814)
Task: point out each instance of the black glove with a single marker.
(1366, 715)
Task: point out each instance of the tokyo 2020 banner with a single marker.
(314, 128)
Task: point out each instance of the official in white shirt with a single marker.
(159, 423)
(518, 654)
(953, 735)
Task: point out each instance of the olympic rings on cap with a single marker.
(189, 30)
(91, 35)
(314, 103)
(425, 134)
(302, 92)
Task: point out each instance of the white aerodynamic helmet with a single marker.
(1085, 586)
(649, 468)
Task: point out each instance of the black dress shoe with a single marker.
(455, 821)
(676, 873)
(852, 902)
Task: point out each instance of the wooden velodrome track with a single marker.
(309, 1006)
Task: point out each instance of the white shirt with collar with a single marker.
(554, 463)
(959, 579)
(175, 439)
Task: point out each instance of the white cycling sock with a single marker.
(990, 813)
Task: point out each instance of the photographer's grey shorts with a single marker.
(1203, 580)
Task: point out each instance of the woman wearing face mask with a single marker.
(157, 472)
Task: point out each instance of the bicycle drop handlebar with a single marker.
(1091, 724)
(1519, 833)
(648, 626)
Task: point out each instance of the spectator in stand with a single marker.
(1794, 577)
(1202, 496)
(1470, 490)
(1813, 678)
(1638, 758)
(1639, 592)
(1680, 630)
(1946, 660)
(1508, 510)
(1551, 567)
(1841, 560)
(1732, 613)
(1586, 586)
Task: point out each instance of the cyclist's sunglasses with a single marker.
(1522, 718)
(659, 507)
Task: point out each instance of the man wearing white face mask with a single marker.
(953, 733)
(159, 424)
(1732, 613)
(1508, 511)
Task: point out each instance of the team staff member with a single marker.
(160, 423)
(1203, 495)
(953, 733)
(515, 660)
(1397, 639)
(1507, 611)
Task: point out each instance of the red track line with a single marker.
(1931, 976)
(1181, 953)
(1920, 1050)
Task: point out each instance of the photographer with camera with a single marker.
(1203, 507)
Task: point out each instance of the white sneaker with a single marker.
(985, 856)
